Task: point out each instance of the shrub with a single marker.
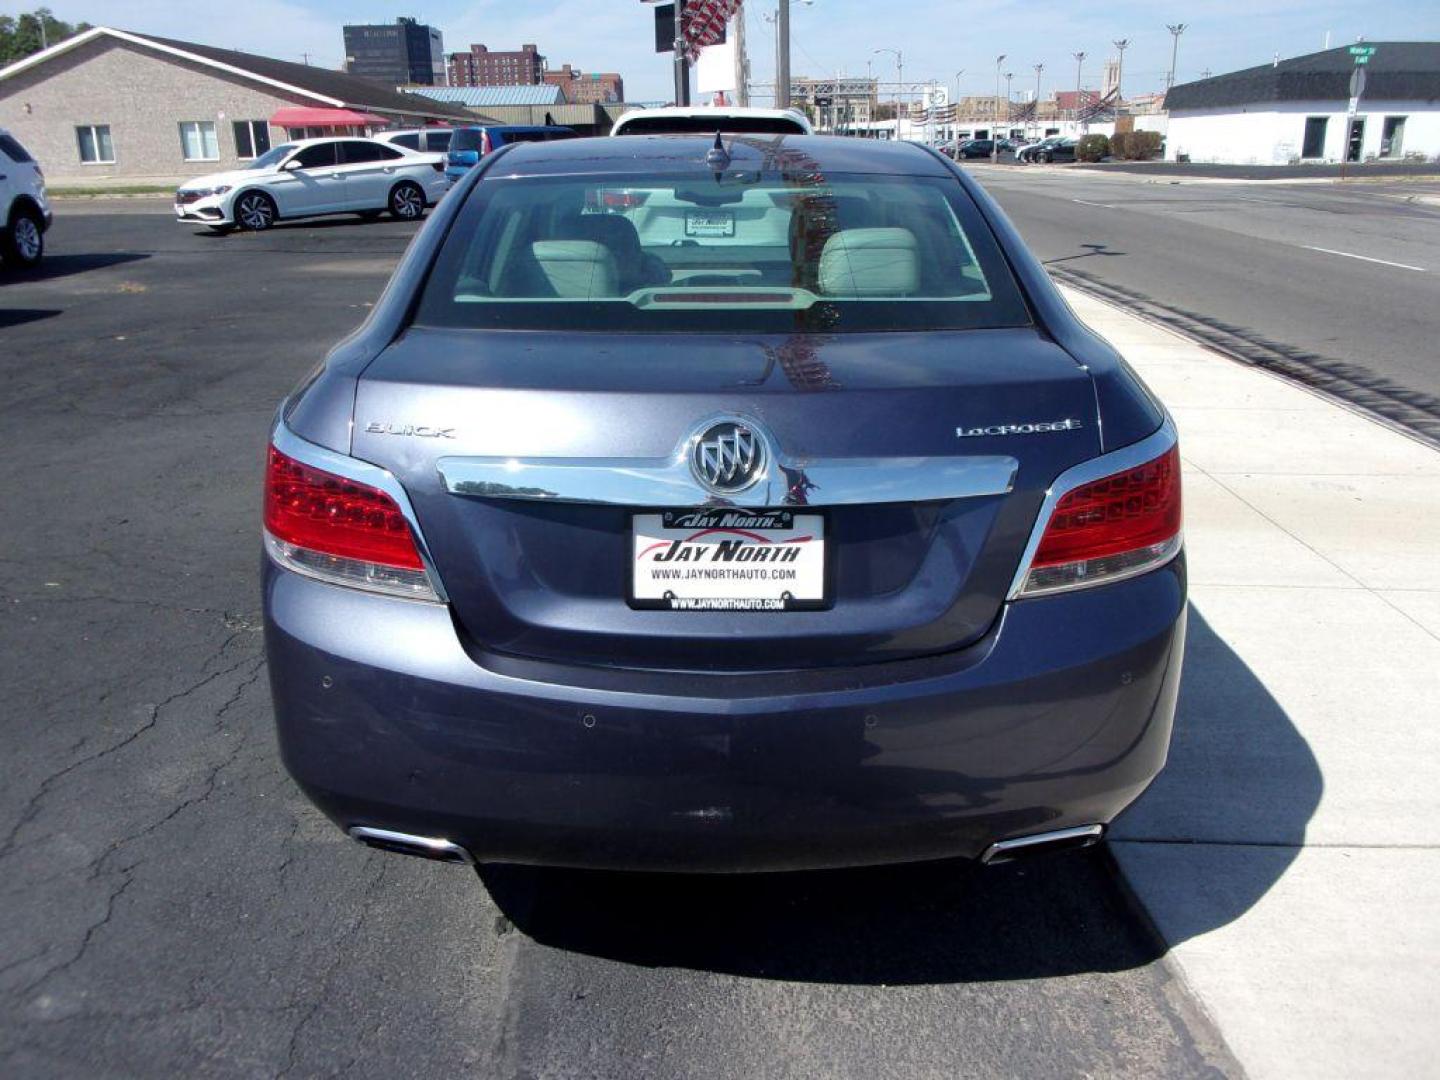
(1135, 145)
(1092, 148)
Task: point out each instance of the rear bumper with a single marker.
(1059, 717)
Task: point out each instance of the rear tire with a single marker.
(22, 244)
(255, 211)
(407, 201)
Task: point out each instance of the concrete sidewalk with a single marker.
(1288, 853)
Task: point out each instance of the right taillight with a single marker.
(1111, 528)
(339, 530)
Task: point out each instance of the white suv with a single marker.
(705, 119)
(310, 177)
(24, 209)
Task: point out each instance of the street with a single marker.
(1332, 286)
(174, 906)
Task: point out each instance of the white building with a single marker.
(1300, 110)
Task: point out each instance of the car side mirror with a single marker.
(291, 165)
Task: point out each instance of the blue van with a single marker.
(469, 144)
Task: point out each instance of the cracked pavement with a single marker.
(173, 906)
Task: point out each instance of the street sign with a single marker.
(1362, 50)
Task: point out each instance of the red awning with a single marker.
(296, 116)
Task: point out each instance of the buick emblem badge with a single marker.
(727, 456)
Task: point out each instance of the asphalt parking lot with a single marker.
(173, 906)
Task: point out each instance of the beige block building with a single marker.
(110, 107)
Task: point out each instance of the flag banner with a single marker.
(705, 23)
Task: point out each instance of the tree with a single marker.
(20, 36)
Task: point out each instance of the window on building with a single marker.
(1314, 146)
(95, 145)
(252, 138)
(198, 140)
(1392, 137)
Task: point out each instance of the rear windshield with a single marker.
(708, 125)
(465, 139)
(756, 251)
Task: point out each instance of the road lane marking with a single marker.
(1367, 258)
(1087, 202)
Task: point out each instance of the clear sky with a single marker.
(937, 37)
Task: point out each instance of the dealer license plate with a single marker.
(709, 223)
(728, 560)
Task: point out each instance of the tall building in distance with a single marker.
(587, 87)
(481, 67)
(401, 53)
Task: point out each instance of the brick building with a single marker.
(481, 67)
(587, 87)
(110, 105)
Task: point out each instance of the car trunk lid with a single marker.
(549, 579)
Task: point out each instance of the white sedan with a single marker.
(309, 177)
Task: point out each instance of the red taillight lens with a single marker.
(329, 514)
(1110, 528)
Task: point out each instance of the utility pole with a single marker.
(1121, 45)
(994, 138)
(1038, 69)
(1176, 29)
(682, 65)
(1009, 100)
(782, 56)
(1079, 65)
(742, 62)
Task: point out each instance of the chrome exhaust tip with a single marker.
(1082, 836)
(422, 847)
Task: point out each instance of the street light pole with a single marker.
(995, 124)
(1079, 64)
(900, 85)
(782, 55)
(1009, 100)
(1038, 69)
(1121, 45)
(955, 104)
(1176, 29)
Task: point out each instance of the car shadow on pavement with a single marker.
(58, 266)
(1238, 768)
(10, 317)
(1240, 776)
(940, 922)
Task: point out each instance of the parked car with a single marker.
(801, 525)
(24, 207)
(1059, 150)
(311, 177)
(1028, 152)
(702, 119)
(432, 140)
(977, 148)
(469, 144)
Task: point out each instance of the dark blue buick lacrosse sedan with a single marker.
(722, 503)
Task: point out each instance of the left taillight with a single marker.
(1115, 527)
(339, 530)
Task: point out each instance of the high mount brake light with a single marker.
(1115, 527)
(339, 530)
